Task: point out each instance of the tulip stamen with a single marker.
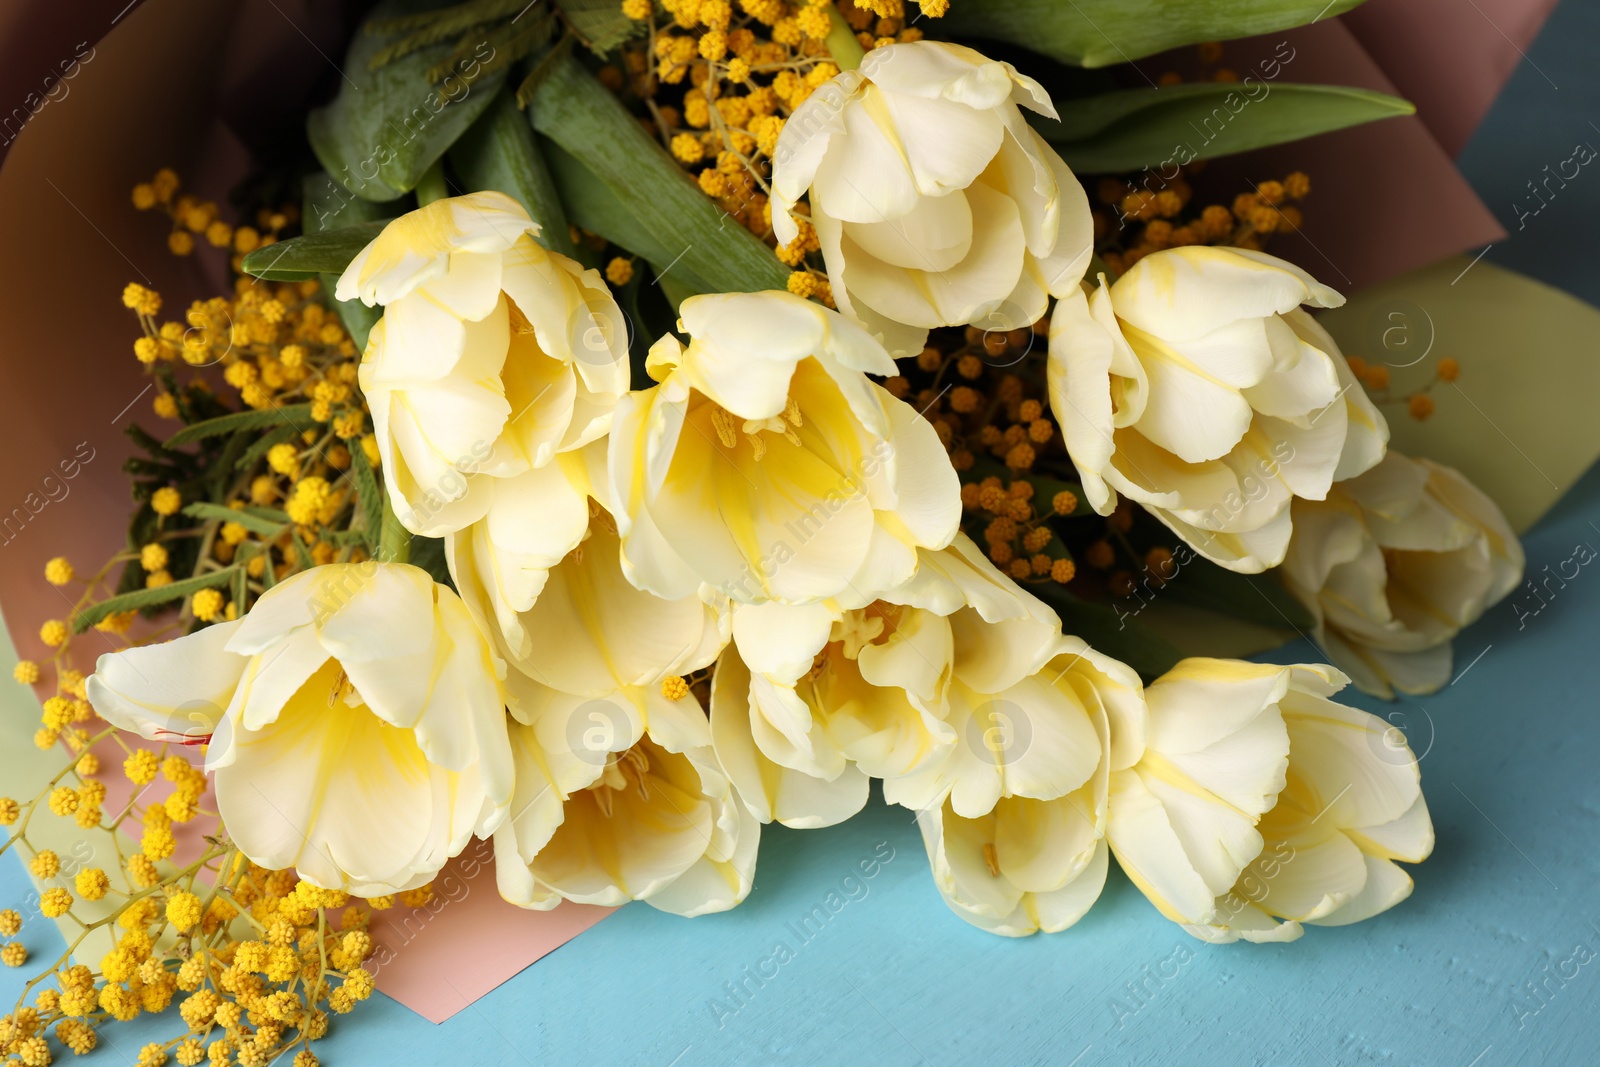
(340, 684)
(757, 445)
(722, 422)
(791, 413)
(991, 859)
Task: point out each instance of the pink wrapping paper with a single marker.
(1449, 57)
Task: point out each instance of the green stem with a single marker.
(842, 44)
(394, 540)
(432, 186)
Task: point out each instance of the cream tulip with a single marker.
(1195, 386)
(1351, 805)
(767, 467)
(1393, 564)
(1036, 859)
(1254, 796)
(590, 631)
(354, 719)
(620, 798)
(493, 357)
(934, 201)
(813, 700)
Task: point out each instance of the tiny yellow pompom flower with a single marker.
(180, 242)
(1448, 369)
(207, 605)
(219, 234)
(165, 406)
(166, 501)
(26, 671)
(58, 571)
(1064, 502)
(369, 445)
(53, 633)
(153, 557)
(674, 688)
(687, 148)
(619, 271)
(15, 954)
(140, 767)
(55, 902)
(10, 922)
(63, 800)
(637, 10)
(157, 580)
(9, 811)
(88, 764)
(144, 196)
(92, 883)
(1420, 407)
(183, 911)
(147, 350)
(283, 458)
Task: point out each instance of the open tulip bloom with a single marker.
(610, 560)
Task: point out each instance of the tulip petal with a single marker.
(170, 691)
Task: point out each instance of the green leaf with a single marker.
(328, 206)
(223, 513)
(369, 497)
(1255, 598)
(148, 598)
(1137, 128)
(1098, 33)
(428, 553)
(654, 208)
(1112, 632)
(388, 126)
(500, 153)
(240, 420)
(304, 257)
(600, 23)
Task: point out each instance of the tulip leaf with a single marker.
(1098, 33)
(327, 206)
(207, 512)
(1114, 633)
(1139, 128)
(428, 553)
(304, 257)
(148, 598)
(1256, 598)
(652, 207)
(239, 420)
(600, 23)
(388, 125)
(500, 153)
(369, 496)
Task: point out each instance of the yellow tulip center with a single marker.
(624, 771)
(729, 427)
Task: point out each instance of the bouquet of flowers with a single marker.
(634, 424)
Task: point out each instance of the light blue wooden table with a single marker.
(1495, 960)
